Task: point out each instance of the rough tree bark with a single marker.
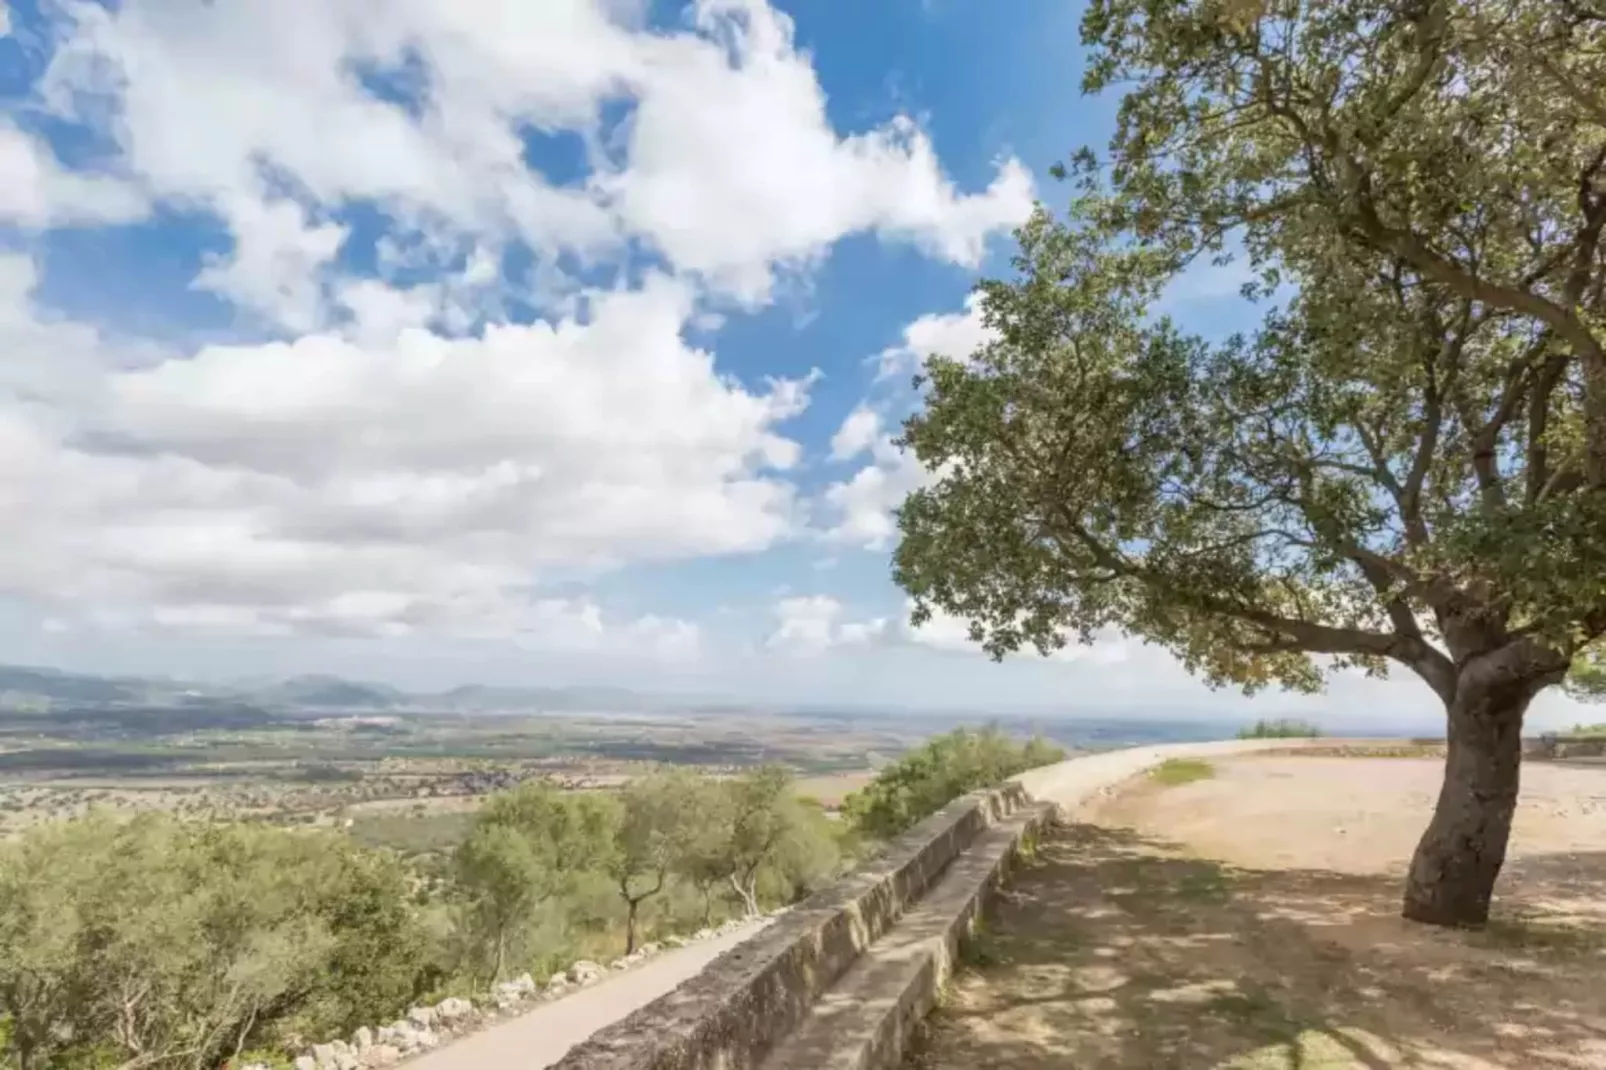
(631, 910)
(1453, 873)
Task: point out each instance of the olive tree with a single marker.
(657, 821)
(1404, 464)
(525, 848)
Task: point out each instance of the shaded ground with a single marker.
(1249, 922)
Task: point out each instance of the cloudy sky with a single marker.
(554, 341)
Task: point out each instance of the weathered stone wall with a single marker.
(732, 1014)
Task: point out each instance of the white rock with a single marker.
(675, 941)
(346, 1060)
(585, 972)
(422, 1017)
(400, 1034)
(306, 1062)
(381, 1055)
(523, 983)
(324, 1056)
(362, 1039)
(703, 934)
(620, 964)
(453, 1008)
(649, 949)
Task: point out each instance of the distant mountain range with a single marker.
(23, 687)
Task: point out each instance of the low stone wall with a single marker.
(1563, 745)
(733, 1013)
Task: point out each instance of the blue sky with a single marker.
(439, 341)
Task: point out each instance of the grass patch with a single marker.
(1175, 771)
(1530, 934)
(978, 949)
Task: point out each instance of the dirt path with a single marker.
(1248, 922)
(540, 1037)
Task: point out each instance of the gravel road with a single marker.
(540, 1037)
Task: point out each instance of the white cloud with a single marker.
(277, 265)
(426, 485)
(955, 335)
(727, 165)
(36, 192)
(859, 432)
(734, 167)
(810, 625)
(946, 632)
(404, 461)
(861, 506)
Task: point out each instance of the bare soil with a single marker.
(1250, 921)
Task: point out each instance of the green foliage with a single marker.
(1405, 461)
(1281, 728)
(1587, 678)
(526, 847)
(657, 819)
(946, 767)
(173, 943)
(166, 943)
(762, 825)
(1177, 771)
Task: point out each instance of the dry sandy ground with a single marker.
(1248, 922)
(540, 1037)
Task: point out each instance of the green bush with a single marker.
(928, 778)
(177, 942)
(1281, 728)
(170, 943)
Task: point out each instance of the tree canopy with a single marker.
(1405, 462)
(162, 942)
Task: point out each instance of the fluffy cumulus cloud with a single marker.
(726, 164)
(861, 505)
(813, 624)
(386, 448)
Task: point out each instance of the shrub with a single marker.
(175, 943)
(1281, 728)
(927, 779)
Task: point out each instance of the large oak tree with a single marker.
(1404, 464)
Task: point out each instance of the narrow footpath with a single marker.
(540, 1037)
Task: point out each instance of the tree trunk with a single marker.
(1453, 872)
(748, 893)
(630, 925)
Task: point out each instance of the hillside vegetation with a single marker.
(166, 942)
(928, 778)
(182, 943)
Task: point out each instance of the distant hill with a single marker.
(480, 698)
(322, 692)
(25, 688)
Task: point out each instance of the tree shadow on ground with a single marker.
(1108, 949)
